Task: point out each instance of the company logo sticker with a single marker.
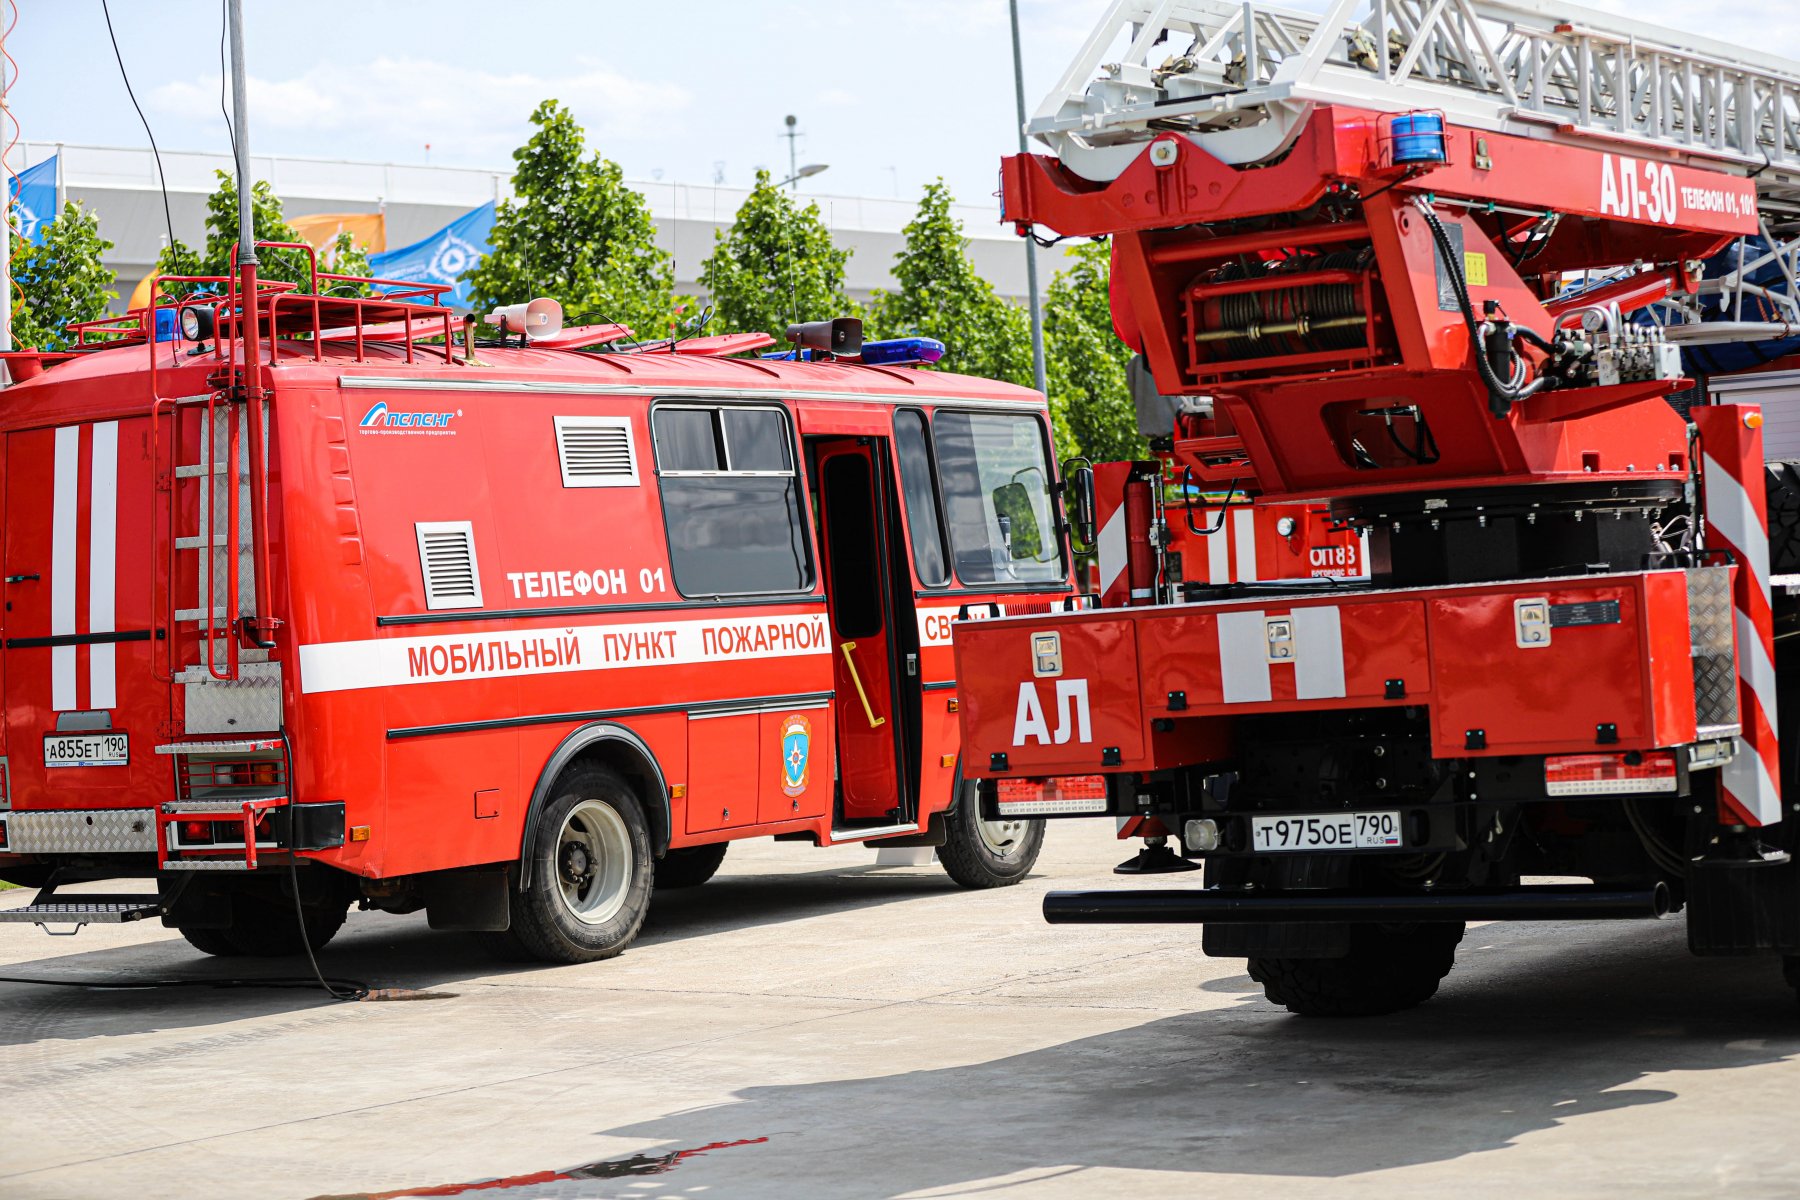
(382, 419)
(796, 746)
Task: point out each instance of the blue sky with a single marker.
(890, 93)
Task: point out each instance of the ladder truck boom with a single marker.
(1443, 269)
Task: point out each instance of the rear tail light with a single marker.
(1057, 794)
(218, 778)
(194, 833)
(1610, 774)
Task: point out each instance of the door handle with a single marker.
(875, 722)
(23, 578)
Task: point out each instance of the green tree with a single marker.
(59, 280)
(776, 265)
(575, 232)
(1084, 361)
(269, 225)
(941, 296)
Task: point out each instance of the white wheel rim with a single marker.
(593, 862)
(1002, 838)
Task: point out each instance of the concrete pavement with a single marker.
(829, 1029)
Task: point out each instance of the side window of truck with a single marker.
(731, 500)
(918, 482)
(995, 472)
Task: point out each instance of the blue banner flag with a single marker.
(34, 198)
(444, 256)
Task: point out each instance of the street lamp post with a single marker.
(806, 172)
(793, 137)
(1031, 273)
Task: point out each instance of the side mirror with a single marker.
(1078, 500)
(1018, 524)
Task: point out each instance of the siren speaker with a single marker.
(842, 335)
(540, 319)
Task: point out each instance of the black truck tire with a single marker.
(690, 866)
(1389, 968)
(216, 942)
(987, 854)
(591, 874)
(265, 926)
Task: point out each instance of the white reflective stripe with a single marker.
(65, 510)
(1243, 534)
(1755, 668)
(1243, 658)
(1730, 511)
(934, 624)
(1318, 653)
(1112, 549)
(1218, 554)
(1747, 779)
(103, 551)
(493, 654)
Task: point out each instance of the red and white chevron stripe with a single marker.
(84, 525)
(1737, 517)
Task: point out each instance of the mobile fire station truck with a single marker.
(1437, 267)
(314, 601)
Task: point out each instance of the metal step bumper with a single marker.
(50, 909)
(1530, 903)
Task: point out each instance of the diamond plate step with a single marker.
(205, 864)
(88, 910)
(233, 804)
(235, 746)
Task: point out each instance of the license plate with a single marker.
(87, 750)
(1334, 831)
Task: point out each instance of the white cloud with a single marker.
(482, 114)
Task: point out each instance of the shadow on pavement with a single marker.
(389, 952)
(1525, 1038)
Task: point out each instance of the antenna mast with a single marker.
(259, 627)
(240, 111)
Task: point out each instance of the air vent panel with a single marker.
(447, 561)
(596, 452)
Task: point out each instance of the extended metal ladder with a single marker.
(1239, 77)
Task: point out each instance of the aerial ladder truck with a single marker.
(1445, 268)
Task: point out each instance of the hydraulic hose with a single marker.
(1502, 394)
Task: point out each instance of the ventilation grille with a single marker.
(447, 560)
(596, 452)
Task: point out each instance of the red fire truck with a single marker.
(1435, 268)
(314, 601)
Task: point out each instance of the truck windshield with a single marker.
(995, 475)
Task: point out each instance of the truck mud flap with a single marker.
(1744, 910)
(471, 901)
(1279, 939)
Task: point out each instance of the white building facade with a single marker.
(120, 186)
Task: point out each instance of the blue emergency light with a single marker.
(1418, 138)
(895, 352)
